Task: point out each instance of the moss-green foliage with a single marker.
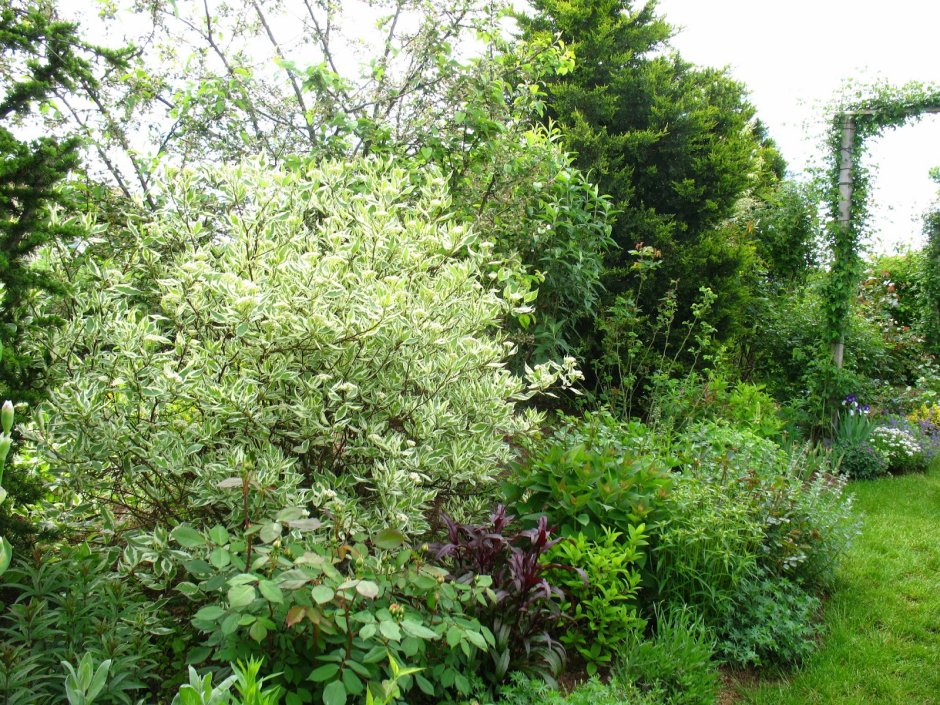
(592, 692)
(740, 506)
(860, 461)
(802, 508)
(705, 547)
(772, 622)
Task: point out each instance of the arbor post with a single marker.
(845, 211)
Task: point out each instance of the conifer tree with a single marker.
(40, 55)
(675, 146)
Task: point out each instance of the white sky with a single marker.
(793, 56)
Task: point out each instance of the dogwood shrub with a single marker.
(326, 337)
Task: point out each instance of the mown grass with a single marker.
(882, 642)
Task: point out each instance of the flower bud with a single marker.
(5, 443)
(6, 416)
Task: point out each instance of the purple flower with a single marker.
(851, 399)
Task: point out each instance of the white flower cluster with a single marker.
(895, 443)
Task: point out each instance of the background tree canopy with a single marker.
(675, 146)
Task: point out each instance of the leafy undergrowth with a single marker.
(883, 619)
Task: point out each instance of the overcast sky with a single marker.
(794, 55)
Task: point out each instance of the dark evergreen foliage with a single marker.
(674, 145)
(40, 55)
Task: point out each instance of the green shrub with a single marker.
(861, 461)
(600, 599)
(793, 495)
(697, 397)
(584, 489)
(749, 407)
(69, 605)
(771, 622)
(330, 330)
(705, 545)
(676, 663)
(600, 430)
(328, 616)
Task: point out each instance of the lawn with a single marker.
(882, 642)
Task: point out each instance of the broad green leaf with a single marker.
(290, 514)
(218, 535)
(322, 594)
(388, 539)
(390, 631)
(424, 684)
(271, 532)
(210, 613)
(188, 537)
(454, 635)
(324, 673)
(476, 639)
(353, 685)
(98, 681)
(198, 655)
(241, 595)
(230, 623)
(305, 524)
(271, 592)
(6, 555)
(368, 589)
(334, 694)
(258, 631)
(220, 558)
(418, 630)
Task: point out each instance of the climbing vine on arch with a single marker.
(872, 111)
(931, 282)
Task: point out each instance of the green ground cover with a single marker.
(883, 618)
